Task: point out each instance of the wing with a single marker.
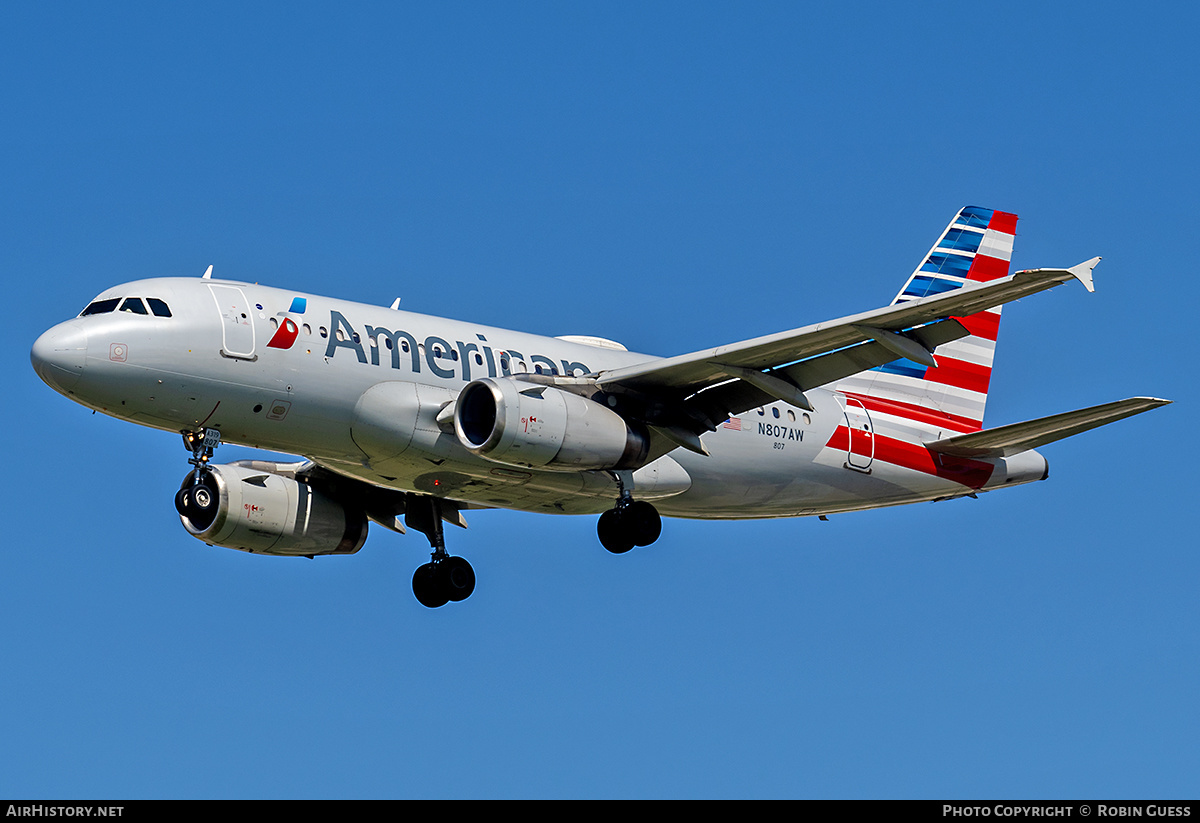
(692, 393)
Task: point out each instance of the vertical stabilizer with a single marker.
(976, 246)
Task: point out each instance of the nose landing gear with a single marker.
(198, 501)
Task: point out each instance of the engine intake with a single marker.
(268, 513)
(539, 426)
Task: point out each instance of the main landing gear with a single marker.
(198, 500)
(444, 579)
(630, 523)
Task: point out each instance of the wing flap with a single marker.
(1005, 441)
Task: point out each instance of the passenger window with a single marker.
(134, 305)
(158, 307)
(100, 307)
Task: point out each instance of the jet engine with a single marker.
(539, 426)
(242, 506)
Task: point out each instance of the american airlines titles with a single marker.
(443, 358)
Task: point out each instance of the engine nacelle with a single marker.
(539, 426)
(264, 512)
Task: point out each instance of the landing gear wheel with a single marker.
(458, 577)
(199, 504)
(202, 499)
(202, 505)
(429, 586)
(613, 532)
(643, 523)
(183, 503)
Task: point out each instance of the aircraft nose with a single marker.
(58, 356)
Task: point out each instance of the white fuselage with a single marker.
(299, 374)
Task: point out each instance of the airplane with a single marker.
(408, 420)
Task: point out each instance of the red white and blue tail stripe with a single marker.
(976, 246)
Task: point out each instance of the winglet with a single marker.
(1083, 273)
(207, 273)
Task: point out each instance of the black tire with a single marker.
(428, 586)
(183, 502)
(613, 532)
(203, 499)
(458, 578)
(642, 522)
(202, 504)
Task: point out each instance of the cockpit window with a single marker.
(100, 307)
(133, 305)
(158, 307)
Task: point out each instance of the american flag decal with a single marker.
(734, 423)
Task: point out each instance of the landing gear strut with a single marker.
(198, 501)
(630, 523)
(444, 579)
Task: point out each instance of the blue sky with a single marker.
(673, 177)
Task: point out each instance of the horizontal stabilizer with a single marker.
(1005, 441)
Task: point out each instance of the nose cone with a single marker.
(58, 355)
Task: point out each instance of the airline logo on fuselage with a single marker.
(285, 336)
(443, 358)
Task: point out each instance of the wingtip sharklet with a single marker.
(1083, 273)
